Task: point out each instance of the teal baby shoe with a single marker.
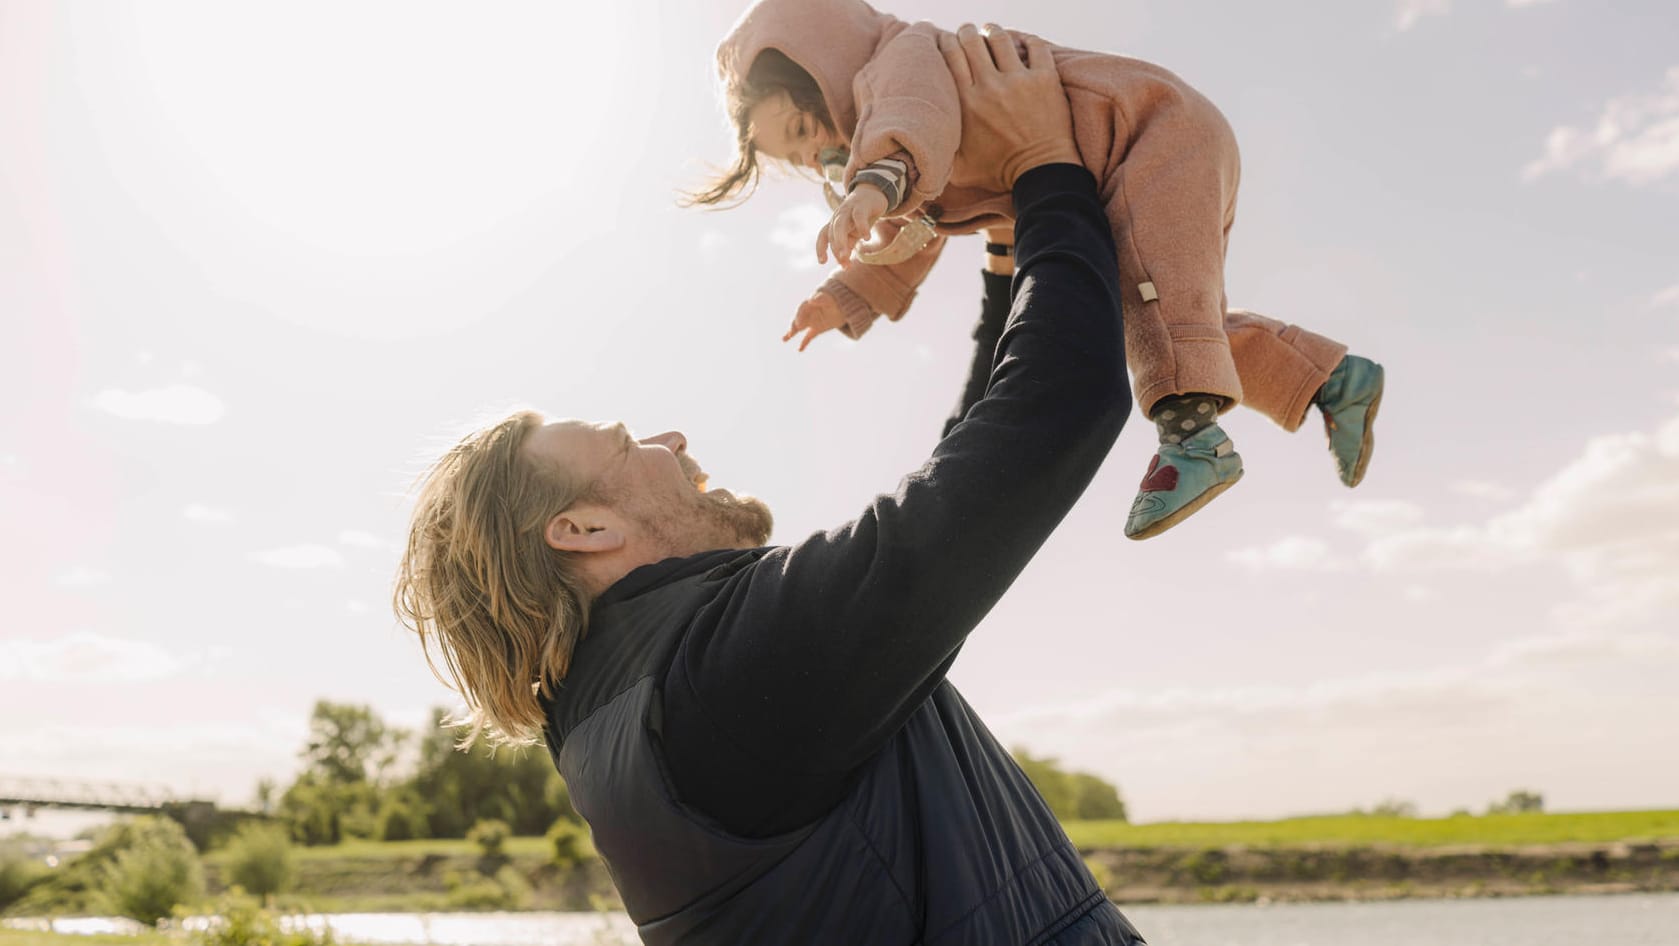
(1349, 400)
(1181, 479)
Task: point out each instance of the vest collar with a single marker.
(645, 578)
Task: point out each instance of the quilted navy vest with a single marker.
(941, 841)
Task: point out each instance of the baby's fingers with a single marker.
(823, 241)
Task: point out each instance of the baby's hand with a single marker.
(816, 315)
(852, 221)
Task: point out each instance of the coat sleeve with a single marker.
(906, 101)
(808, 662)
(866, 292)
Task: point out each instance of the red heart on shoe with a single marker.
(1159, 479)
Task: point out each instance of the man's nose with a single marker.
(671, 440)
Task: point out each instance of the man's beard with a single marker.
(717, 519)
(744, 520)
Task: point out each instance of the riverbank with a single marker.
(432, 881)
(1335, 858)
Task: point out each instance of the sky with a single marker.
(259, 263)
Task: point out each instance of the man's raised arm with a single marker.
(819, 653)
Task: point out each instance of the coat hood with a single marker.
(830, 39)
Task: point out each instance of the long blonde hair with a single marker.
(481, 586)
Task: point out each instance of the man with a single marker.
(762, 739)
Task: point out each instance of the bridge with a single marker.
(29, 795)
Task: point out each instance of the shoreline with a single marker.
(413, 879)
(1321, 873)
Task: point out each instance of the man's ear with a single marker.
(577, 531)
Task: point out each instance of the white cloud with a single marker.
(1635, 140)
(81, 576)
(1609, 519)
(201, 513)
(1483, 489)
(301, 556)
(85, 657)
(1410, 11)
(1667, 297)
(219, 759)
(712, 243)
(795, 230)
(173, 404)
(1543, 710)
(361, 540)
(1295, 552)
(1375, 516)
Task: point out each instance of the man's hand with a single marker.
(852, 221)
(816, 315)
(1015, 115)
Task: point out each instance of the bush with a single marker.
(156, 872)
(569, 843)
(1519, 802)
(1071, 795)
(259, 859)
(401, 821)
(239, 921)
(490, 835)
(507, 890)
(18, 873)
(1095, 799)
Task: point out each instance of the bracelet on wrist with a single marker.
(1000, 249)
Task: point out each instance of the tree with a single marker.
(350, 744)
(259, 859)
(158, 870)
(1519, 802)
(1095, 799)
(1071, 796)
(460, 788)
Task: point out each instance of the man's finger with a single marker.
(822, 245)
(975, 49)
(955, 60)
(1003, 52)
(1038, 56)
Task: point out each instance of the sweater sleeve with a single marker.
(866, 292)
(906, 101)
(809, 662)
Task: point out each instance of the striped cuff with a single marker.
(890, 175)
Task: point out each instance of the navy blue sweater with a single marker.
(780, 692)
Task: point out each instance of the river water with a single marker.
(1628, 920)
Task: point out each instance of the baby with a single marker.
(867, 99)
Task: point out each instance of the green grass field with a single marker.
(1321, 831)
(32, 938)
(1355, 830)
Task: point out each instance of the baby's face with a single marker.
(783, 133)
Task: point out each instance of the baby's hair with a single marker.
(771, 73)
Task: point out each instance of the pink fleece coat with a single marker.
(1165, 162)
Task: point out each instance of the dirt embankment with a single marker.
(1160, 875)
(1148, 875)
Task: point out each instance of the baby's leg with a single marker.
(1281, 366)
(1171, 203)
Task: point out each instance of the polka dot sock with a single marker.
(1179, 416)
